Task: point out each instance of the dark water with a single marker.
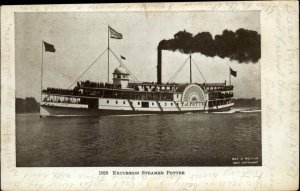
(155, 140)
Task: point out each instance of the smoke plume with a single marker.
(242, 45)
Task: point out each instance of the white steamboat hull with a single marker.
(111, 107)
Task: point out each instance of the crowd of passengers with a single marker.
(226, 95)
(90, 84)
(61, 100)
(220, 95)
(110, 86)
(96, 85)
(82, 84)
(74, 91)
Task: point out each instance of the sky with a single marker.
(79, 38)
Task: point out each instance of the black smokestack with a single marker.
(242, 45)
(158, 65)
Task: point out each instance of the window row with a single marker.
(139, 103)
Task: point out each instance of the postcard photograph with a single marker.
(136, 88)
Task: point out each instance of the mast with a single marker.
(108, 54)
(229, 76)
(190, 68)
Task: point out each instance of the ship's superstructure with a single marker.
(125, 96)
(122, 97)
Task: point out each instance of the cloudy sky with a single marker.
(80, 37)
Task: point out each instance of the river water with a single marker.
(196, 139)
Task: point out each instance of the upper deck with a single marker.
(143, 91)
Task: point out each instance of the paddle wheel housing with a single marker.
(193, 92)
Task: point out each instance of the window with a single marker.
(116, 102)
(123, 102)
(145, 104)
(152, 103)
(177, 95)
(107, 101)
(171, 104)
(165, 104)
(138, 103)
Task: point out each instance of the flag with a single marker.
(49, 47)
(232, 72)
(114, 34)
(123, 57)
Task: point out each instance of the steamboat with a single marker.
(126, 95)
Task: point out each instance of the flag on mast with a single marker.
(114, 34)
(232, 72)
(49, 47)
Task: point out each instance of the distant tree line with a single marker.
(27, 105)
(242, 102)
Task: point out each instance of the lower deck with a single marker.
(105, 106)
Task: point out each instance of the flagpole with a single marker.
(108, 54)
(42, 70)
